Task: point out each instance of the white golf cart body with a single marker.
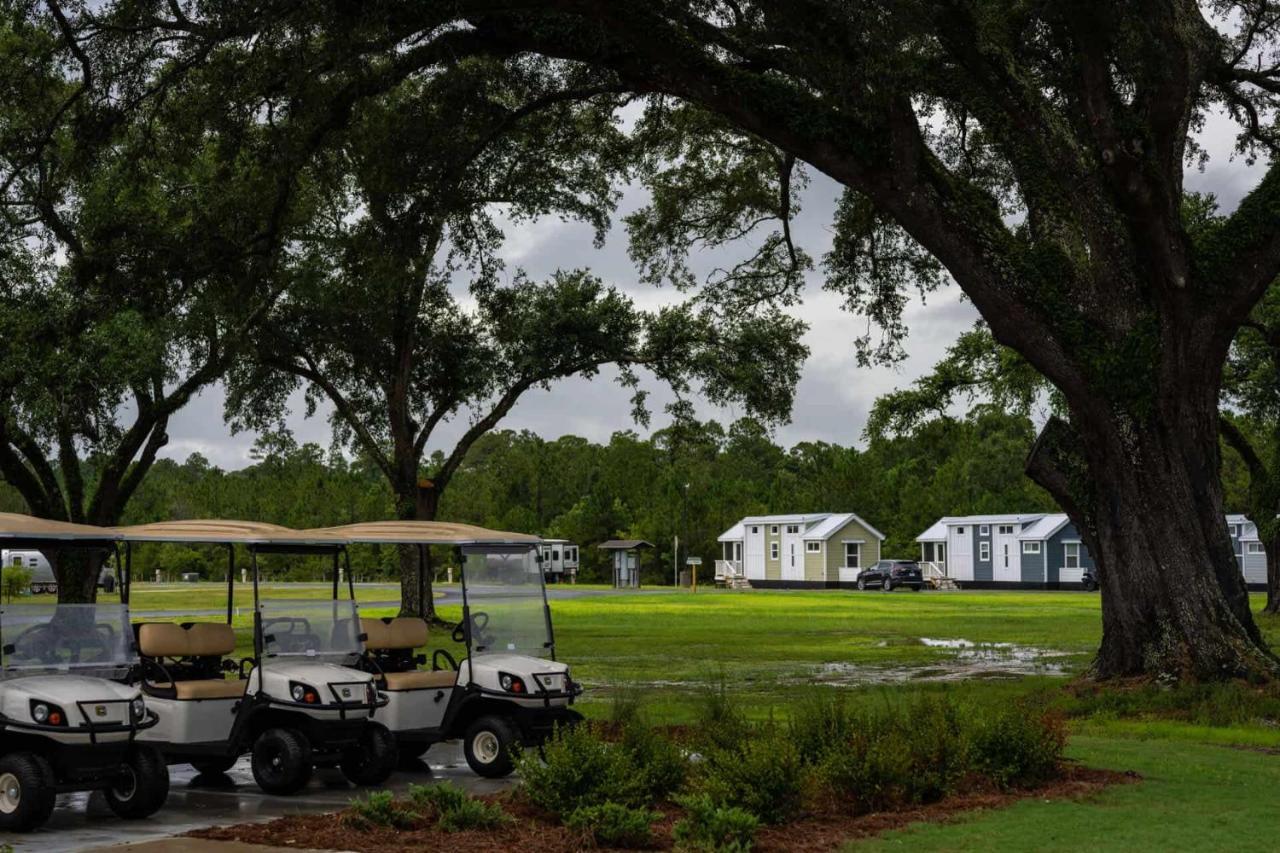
(298, 678)
(64, 700)
(510, 670)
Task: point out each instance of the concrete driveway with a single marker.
(83, 822)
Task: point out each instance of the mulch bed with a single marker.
(820, 830)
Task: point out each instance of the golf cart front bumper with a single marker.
(95, 733)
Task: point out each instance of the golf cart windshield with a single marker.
(89, 639)
(505, 603)
(324, 630)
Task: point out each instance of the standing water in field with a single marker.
(968, 660)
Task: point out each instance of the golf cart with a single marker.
(509, 691)
(294, 704)
(70, 721)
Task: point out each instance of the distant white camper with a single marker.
(559, 560)
(42, 579)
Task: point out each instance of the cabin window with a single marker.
(1234, 530)
(555, 555)
(813, 547)
(984, 530)
(755, 529)
(852, 555)
(1071, 555)
(773, 550)
(984, 552)
(793, 528)
(773, 530)
(1031, 547)
(1006, 530)
(960, 530)
(1256, 548)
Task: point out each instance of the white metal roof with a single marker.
(1045, 527)
(831, 525)
(733, 534)
(937, 532)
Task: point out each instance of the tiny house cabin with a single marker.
(814, 550)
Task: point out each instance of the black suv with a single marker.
(891, 574)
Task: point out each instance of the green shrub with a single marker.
(379, 808)
(1017, 746)
(14, 581)
(659, 764)
(473, 814)
(910, 752)
(711, 828)
(764, 775)
(820, 721)
(578, 768)
(614, 825)
(454, 809)
(721, 723)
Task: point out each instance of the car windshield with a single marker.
(505, 601)
(89, 639)
(326, 630)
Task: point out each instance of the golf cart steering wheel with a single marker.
(38, 642)
(435, 660)
(479, 620)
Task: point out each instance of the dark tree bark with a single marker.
(1273, 575)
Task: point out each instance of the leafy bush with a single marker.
(711, 828)
(720, 719)
(473, 814)
(764, 775)
(14, 581)
(455, 809)
(579, 768)
(614, 825)
(820, 722)
(659, 764)
(379, 808)
(1015, 747)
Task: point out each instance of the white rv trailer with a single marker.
(559, 560)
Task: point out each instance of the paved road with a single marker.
(83, 821)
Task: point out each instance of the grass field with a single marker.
(1210, 765)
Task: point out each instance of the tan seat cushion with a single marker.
(206, 688)
(420, 679)
(207, 639)
(162, 640)
(402, 632)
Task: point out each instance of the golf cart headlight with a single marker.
(303, 693)
(511, 683)
(47, 713)
(139, 708)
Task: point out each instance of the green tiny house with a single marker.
(797, 551)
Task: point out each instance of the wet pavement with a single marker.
(83, 822)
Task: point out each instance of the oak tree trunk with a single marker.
(1146, 495)
(76, 571)
(1273, 575)
(416, 503)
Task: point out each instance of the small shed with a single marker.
(626, 560)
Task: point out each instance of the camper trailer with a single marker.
(42, 579)
(559, 560)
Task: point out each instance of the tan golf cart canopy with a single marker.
(17, 530)
(425, 533)
(228, 532)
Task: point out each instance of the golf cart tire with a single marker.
(35, 794)
(888, 585)
(488, 745)
(375, 758)
(150, 776)
(214, 766)
(281, 761)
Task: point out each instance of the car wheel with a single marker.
(281, 761)
(373, 759)
(26, 791)
(888, 585)
(488, 746)
(144, 785)
(862, 584)
(214, 766)
(916, 588)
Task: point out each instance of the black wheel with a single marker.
(488, 744)
(144, 785)
(26, 791)
(862, 584)
(215, 765)
(281, 761)
(374, 759)
(917, 588)
(888, 585)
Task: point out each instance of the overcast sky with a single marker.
(834, 394)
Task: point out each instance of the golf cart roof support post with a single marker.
(422, 581)
(351, 581)
(546, 608)
(231, 579)
(257, 614)
(466, 607)
(122, 569)
(335, 575)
